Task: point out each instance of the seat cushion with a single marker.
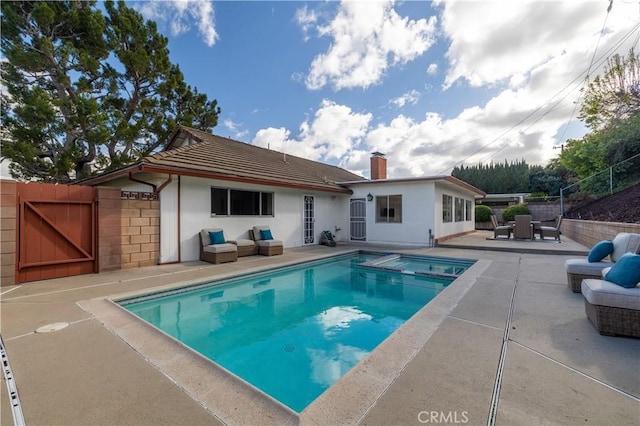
(244, 243)
(220, 248)
(269, 243)
(626, 271)
(623, 243)
(600, 251)
(605, 293)
(584, 267)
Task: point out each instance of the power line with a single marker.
(599, 61)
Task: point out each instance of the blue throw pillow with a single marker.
(217, 237)
(626, 271)
(265, 234)
(600, 251)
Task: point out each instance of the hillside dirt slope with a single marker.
(623, 206)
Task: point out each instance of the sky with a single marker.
(431, 85)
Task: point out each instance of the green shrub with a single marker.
(483, 213)
(509, 213)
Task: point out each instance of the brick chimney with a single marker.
(378, 166)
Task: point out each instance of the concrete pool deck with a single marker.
(515, 341)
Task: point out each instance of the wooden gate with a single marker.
(57, 235)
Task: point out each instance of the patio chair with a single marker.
(523, 227)
(580, 269)
(267, 246)
(552, 231)
(612, 309)
(500, 229)
(214, 248)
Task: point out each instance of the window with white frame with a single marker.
(447, 208)
(234, 202)
(389, 209)
(459, 209)
(468, 210)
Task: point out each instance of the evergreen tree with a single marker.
(88, 91)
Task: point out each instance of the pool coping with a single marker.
(233, 401)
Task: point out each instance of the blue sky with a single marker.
(430, 84)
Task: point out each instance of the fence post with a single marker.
(611, 180)
(561, 201)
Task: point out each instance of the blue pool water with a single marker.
(292, 332)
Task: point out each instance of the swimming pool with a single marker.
(294, 331)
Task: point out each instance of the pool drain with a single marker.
(289, 347)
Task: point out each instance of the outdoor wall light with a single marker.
(369, 197)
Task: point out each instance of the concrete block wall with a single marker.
(140, 233)
(589, 232)
(8, 232)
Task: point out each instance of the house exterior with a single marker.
(206, 181)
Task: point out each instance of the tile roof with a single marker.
(227, 159)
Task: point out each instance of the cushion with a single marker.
(256, 231)
(623, 243)
(626, 271)
(204, 233)
(600, 251)
(584, 267)
(217, 237)
(270, 243)
(243, 243)
(605, 293)
(265, 234)
(220, 248)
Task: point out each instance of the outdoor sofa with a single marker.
(218, 250)
(580, 269)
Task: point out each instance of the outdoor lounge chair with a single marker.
(551, 231)
(580, 269)
(266, 246)
(612, 309)
(214, 251)
(500, 229)
(523, 227)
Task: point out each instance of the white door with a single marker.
(358, 219)
(309, 220)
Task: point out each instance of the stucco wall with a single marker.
(286, 224)
(421, 211)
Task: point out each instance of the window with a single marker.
(447, 208)
(467, 210)
(233, 202)
(459, 209)
(389, 208)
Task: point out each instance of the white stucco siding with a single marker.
(421, 211)
(169, 222)
(445, 229)
(417, 212)
(286, 224)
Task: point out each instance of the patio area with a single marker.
(510, 344)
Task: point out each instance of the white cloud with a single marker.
(181, 15)
(525, 63)
(410, 97)
(235, 128)
(368, 37)
(331, 135)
